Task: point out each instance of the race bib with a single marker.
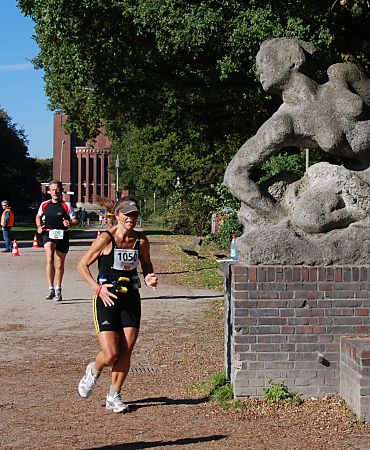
(125, 259)
(56, 234)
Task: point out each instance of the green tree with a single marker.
(18, 183)
(44, 169)
(174, 81)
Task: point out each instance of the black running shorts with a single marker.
(125, 313)
(62, 245)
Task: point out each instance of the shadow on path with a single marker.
(155, 401)
(189, 297)
(80, 243)
(152, 444)
(184, 271)
(74, 301)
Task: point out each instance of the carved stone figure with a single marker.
(322, 218)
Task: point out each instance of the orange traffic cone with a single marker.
(35, 242)
(98, 233)
(15, 249)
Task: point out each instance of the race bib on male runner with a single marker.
(56, 234)
(125, 259)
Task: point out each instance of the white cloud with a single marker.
(15, 67)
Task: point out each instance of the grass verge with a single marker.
(203, 271)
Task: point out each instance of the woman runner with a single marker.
(116, 301)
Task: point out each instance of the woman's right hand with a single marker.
(106, 296)
(151, 280)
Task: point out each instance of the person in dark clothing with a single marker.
(116, 301)
(83, 217)
(78, 216)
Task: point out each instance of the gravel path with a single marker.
(45, 348)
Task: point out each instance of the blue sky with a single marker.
(21, 86)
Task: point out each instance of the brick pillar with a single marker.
(110, 178)
(95, 176)
(285, 323)
(79, 179)
(102, 177)
(355, 374)
(87, 196)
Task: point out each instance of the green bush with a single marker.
(189, 211)
(279, 392)
(295, 162)
(219, 389)
(283, 162)
(220, 198)
(226, 229)
(187, 214)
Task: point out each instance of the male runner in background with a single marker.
(53, 219)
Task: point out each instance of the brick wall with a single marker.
(355, 374)
(285, 322)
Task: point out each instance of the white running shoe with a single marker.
(58, 295)
(51, 294)
(115, 403)
(87, 382)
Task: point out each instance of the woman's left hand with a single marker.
(151, 280)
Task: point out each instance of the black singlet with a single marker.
(126, 311)
(54, 214)
(105, 262)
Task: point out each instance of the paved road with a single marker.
(24, 287)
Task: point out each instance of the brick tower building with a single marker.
(83, 169)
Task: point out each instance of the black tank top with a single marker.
(105, 262)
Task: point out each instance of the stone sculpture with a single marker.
(322, 218)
